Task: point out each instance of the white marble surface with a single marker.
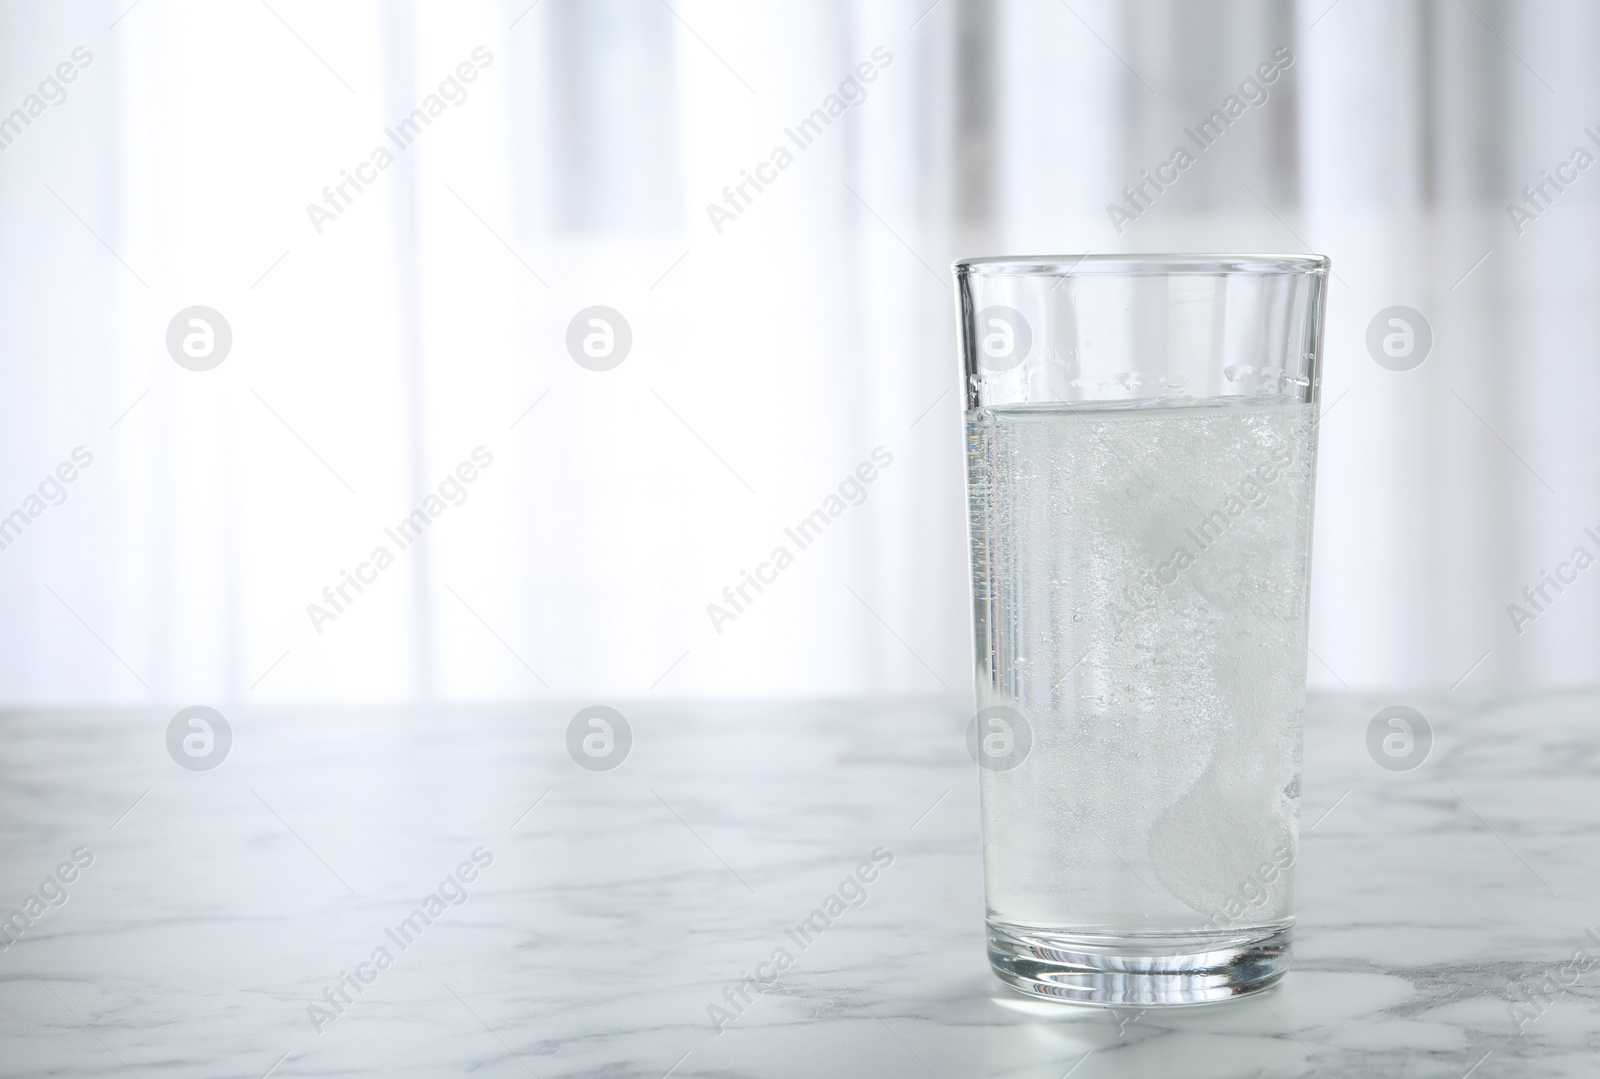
(617, 909)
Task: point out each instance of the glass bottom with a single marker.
(1148, 971)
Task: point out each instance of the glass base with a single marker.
(1138, 971)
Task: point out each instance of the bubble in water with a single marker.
(1162, 776)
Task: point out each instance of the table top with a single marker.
(370, 891)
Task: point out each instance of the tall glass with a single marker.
(1141, 447)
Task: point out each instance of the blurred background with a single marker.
(765, 198)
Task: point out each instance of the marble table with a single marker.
(271, 915)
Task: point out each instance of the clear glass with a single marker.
(1141, 446)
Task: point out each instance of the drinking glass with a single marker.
(1141, 447)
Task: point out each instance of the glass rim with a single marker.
(1154, 265)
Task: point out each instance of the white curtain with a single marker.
(778, 341)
